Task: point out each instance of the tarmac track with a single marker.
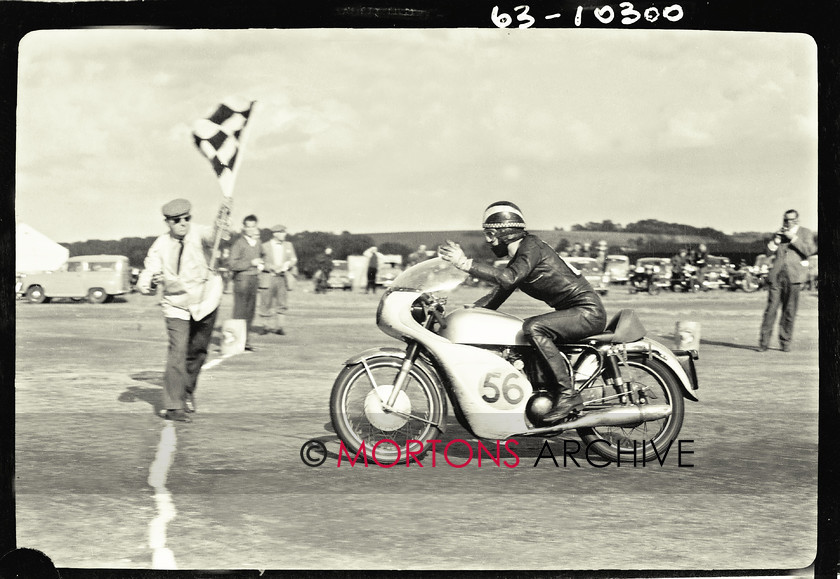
(101, 481)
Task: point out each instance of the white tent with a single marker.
(35, 251)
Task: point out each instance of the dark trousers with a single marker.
(245, 298)
(563, 326)
(188, 342)
(371, 280)
(782, 294)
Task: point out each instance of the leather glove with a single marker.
(453, 253)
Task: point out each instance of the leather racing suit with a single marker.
(541, 273)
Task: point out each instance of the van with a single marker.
(97, 278)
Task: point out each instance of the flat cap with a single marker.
(176, 207)
(275, 228)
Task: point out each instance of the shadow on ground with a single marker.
(148, 394)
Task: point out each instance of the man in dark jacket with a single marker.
(246, 262)
(537, 270)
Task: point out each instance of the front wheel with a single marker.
(35, 295)
(97, 295)
(645, 440)
(361, 421)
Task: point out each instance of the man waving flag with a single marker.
(220, 138)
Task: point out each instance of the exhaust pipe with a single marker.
(621, 416)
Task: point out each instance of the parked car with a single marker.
(650, 274)
(340, 277)
(591, 270)
(718, 272)
(97, 278)
(618, 268)
(386, 274)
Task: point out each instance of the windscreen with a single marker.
(433, 276)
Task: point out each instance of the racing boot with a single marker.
(567, 402)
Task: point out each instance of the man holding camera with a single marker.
(792, 245)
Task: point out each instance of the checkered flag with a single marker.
(220, 137)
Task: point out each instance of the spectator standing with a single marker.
(700, 262)
(601, 254)
(246, 262)
(324, 267)
(373, 255)
(179, 262)
(791, 246)
(678, 263)
(276, 280)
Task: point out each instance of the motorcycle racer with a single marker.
(537, 270)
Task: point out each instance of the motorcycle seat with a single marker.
(624, 327)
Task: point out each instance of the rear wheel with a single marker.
(35, 294)
(359, 418)
(97, 295)
(645, 439)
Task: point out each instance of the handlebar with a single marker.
(434, 308)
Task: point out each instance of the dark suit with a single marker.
(244, 279)
(789, 272)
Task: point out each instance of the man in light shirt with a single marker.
(275, 280)
(179, 261)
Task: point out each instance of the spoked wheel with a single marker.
(359, 416)
(661, 388)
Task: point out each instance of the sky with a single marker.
(412, 130)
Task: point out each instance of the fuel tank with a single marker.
(483, 326)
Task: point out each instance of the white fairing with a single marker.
(490, 391)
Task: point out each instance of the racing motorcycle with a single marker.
(479, 360)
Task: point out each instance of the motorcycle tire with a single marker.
(651, 438)
(360, 421)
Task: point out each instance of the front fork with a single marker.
(411, 354)
(433, 314)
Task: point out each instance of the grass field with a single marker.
(94, 486)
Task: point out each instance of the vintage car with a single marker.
(618, 268)
(340, 277)
(591, 270)
(97, 278)
(650, 274)
(386, 274)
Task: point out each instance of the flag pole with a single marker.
(227, 186)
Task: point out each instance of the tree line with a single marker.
(653, 226)
(311, 244)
